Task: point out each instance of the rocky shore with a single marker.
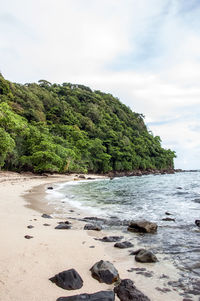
(79, 258)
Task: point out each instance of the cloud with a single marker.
(144, 52)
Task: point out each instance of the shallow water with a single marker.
(147, 197)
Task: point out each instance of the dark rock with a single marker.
(163, 290)
(104, 271)
(127, 291)
(50, 187)
(137, 269)
(168, 219)
(66, 222)
(99, 296)
(168, 213)
(69, 280)
(136, 252)
(142, 226)
(30, 226)
(146, 274)
(91, 247)
(111, 238)
(94, 227)
(71, 210)
(123, 245)
(46, 225)
(179, 187)
(89, 178)
(63, 226)
(197, 222)
(81, 177)
(145, 256)
(28, 236)
(44, 215)
(94, 218)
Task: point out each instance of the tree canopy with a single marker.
(48, 127)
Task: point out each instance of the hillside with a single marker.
(48, 127)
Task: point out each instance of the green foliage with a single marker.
(69, 128)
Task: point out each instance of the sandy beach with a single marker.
(27, 264)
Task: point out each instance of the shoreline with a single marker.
(26, 265)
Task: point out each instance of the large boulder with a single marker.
(127, 291)
(99, 296)
(123, 244)
(197, 222)
(69, 280)
(104, 271)
(142, 226)
(145, 256)
(93, 227)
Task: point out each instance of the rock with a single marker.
(63, 226)
(145, 256)
(28, 236)
(99, 296)
(66, 222)
(46, 225)
(168, 213)
(69, 280)
(104, 271)
(82, 177)
(44, 215)
(123, 244)
(168, 219)
(142, 226)
(111, 238)
(197, 222)
(127, 291)
(50, 187)
(94, 227)
(136, 252)
(30, 226)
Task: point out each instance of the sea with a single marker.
(150, 197)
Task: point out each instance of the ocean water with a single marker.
(147, 197)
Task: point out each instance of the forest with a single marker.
(68, 127)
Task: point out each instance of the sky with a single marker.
(146, 53)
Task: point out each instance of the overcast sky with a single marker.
(145, 52)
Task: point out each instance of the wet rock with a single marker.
(50, 187)
(30, 226)
(93, 227)
(63, 226)
(142, 226)
(104, 271)
(111, 238)
(46, 225)
(123, 245)
(94, 218)
(168, 219)
(82, 177)
(197, 222)
(168, 213)
(44, 215)
(66, 222)
(28, 236)
(136, 269)
(146, 274)
(69, 280)
(127, 291)
(136, 252)
(145, 256)
(99, 296)
(163, 290)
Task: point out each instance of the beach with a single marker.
(27, 264)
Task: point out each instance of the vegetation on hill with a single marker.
(48, 127)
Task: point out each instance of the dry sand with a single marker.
(27, 264)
